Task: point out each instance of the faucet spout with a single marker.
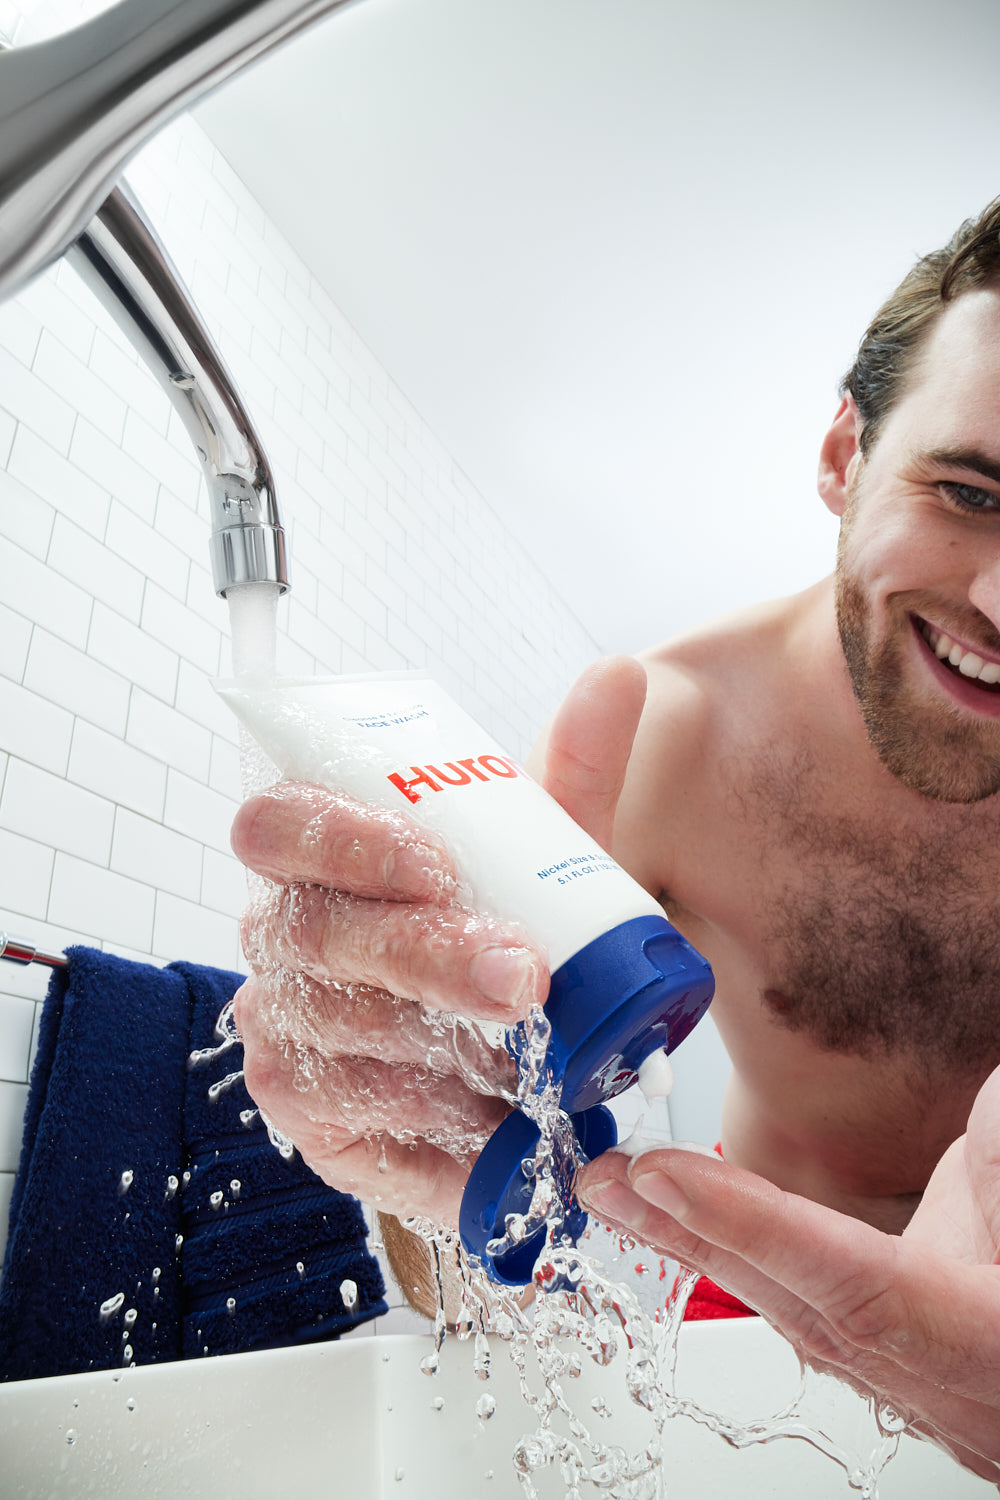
(74, 109)
(123, 262)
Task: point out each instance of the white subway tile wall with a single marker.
(119, 771)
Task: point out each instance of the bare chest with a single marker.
(849, 924)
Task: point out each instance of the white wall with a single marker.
(118, 768)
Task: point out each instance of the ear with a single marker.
(839, 456)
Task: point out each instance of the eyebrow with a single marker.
(972, 459)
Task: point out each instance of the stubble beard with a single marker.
(929, 746)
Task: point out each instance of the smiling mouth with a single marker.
(976, 670)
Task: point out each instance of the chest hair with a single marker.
(882, 937)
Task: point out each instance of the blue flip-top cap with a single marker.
(635, 990)
(497, 1188)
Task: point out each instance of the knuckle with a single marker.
(260, 924)
(263, 1075)
(868, 1310)
(819, 1342)
(304, 933)
(875, 1321)
(243, 833)
(244, 1009)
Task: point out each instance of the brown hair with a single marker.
(896, 334)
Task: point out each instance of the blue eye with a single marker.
(969, 497)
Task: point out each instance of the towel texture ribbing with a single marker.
(248, 1251)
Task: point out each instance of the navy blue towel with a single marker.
(152, 1219)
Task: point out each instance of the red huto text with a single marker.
(452, 773)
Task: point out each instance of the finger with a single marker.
(361, 1021)
(603, 1188)
(308, 1095)
(445, 958)
(296, 832)
(931, 1314)
(589, 742)
(963, 1424)
(418, 1180)
(982, 1157)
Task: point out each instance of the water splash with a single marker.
(583, 1311)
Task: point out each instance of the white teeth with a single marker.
(969, 663)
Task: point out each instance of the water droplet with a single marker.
(172, 1186)
(71, 1436)
(481, 1358)
(109, 1308)
(437, 1404)
(485, 1407)
(178, 1241)
(126, 1181)
(156, 1273)
(234, 1187)
(400, 1474)
(230, 1304)
(130, 1317)
(130, 1404)
(215, 1199)
(349, 1294)
(889, 1419)
(300, 1268)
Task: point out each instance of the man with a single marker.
(812, 794)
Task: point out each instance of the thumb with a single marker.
(590, 740)
(982, 1161)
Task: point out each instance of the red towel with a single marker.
(710, 1301)
(707, 1300)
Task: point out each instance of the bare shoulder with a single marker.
(733, 641)
(704, 690)
(710, 670)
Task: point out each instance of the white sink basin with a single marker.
(358, 1421)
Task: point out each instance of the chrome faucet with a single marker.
(73, 110)
(123, 262)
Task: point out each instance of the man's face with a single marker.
(918, 566)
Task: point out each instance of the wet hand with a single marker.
(366, 972)
(915, 1320)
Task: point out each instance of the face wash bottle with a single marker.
(625, 985)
